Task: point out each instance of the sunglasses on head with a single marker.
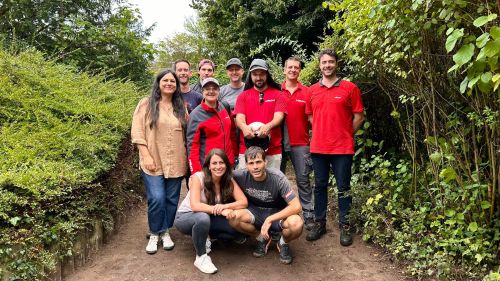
(261, 97)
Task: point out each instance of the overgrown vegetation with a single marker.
(61, 132)
(434, 201)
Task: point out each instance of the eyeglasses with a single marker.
(261, 97)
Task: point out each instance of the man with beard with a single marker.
(192, 98)
(273, 207)
(259, 112)
(335, 110)
(206, 69)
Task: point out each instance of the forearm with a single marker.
(277, 119)
(357, 121)
(238, 204)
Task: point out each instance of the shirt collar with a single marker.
(336, 84)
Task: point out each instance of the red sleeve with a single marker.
(356, 101)
(194, 155)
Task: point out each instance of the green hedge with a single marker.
(61, 131)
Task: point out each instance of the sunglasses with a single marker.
(261, 97)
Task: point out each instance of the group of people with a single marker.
(232, 144)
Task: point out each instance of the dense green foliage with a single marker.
(102, 36)
(60, 132)
(436, 64)
(249, 29)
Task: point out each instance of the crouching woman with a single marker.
(212, 197)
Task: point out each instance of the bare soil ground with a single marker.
(124, 258)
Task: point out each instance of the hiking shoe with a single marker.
(316, 232)
(345, 235)
(309, 224)
(261, 248)
(167, 242)
(205, 265)
(152, 246)
(285, 253)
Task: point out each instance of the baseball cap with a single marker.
(209, 80)
(258, 64)
(234, 61)
(206, 61)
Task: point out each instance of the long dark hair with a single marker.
(153, 111)
(226, 185)
(270, 82)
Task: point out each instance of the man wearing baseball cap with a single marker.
(230, 92)
(206, 69)
(261, 101)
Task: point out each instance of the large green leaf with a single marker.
(480, 21)
(492, 48)
(452, 39)
(482, 40)
(464, 55)
(495, 32)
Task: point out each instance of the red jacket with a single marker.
(207, 129)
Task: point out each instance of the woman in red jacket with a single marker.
(209, 127)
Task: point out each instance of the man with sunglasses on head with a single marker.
(260, 110)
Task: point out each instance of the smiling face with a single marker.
(259, 79)
(235, 73)
(292, 70)
(167, 84)
(217, 166)
(328, 66)
(183, 72)
(210, 94)
(257, 167)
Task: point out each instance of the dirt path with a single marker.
(124, 258)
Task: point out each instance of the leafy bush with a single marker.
(61, 132)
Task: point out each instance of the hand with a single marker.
(149, 163)
(218, 208)
(247, 132)
(264, 230)
(228, 213)
(264, 130)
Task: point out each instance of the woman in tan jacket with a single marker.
(158, 130)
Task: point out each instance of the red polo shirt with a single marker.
(296, 117)
(248, 104)
(332, 110)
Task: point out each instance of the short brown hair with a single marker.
(329, 51)
(253, 151)
(294, 58)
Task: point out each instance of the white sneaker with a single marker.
(205, 265)
(168, 244)
(152, 246)
(208, 246)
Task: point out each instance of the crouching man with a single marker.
(273, 207)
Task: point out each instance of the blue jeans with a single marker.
(163, 197)
(340, 164)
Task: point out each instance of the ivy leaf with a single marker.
(465, 54)
(482, 40)
(480, 21)
(450, 213)
(485, 205)
(452, 39)
(14, 220)
(463, 85)
(495, 32)
(472, 227)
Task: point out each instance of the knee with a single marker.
(236, 217)
(294, 223)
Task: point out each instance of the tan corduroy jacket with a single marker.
(165, 141)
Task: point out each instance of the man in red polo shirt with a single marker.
(335, 110)
(296, 136)
(260, 102)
